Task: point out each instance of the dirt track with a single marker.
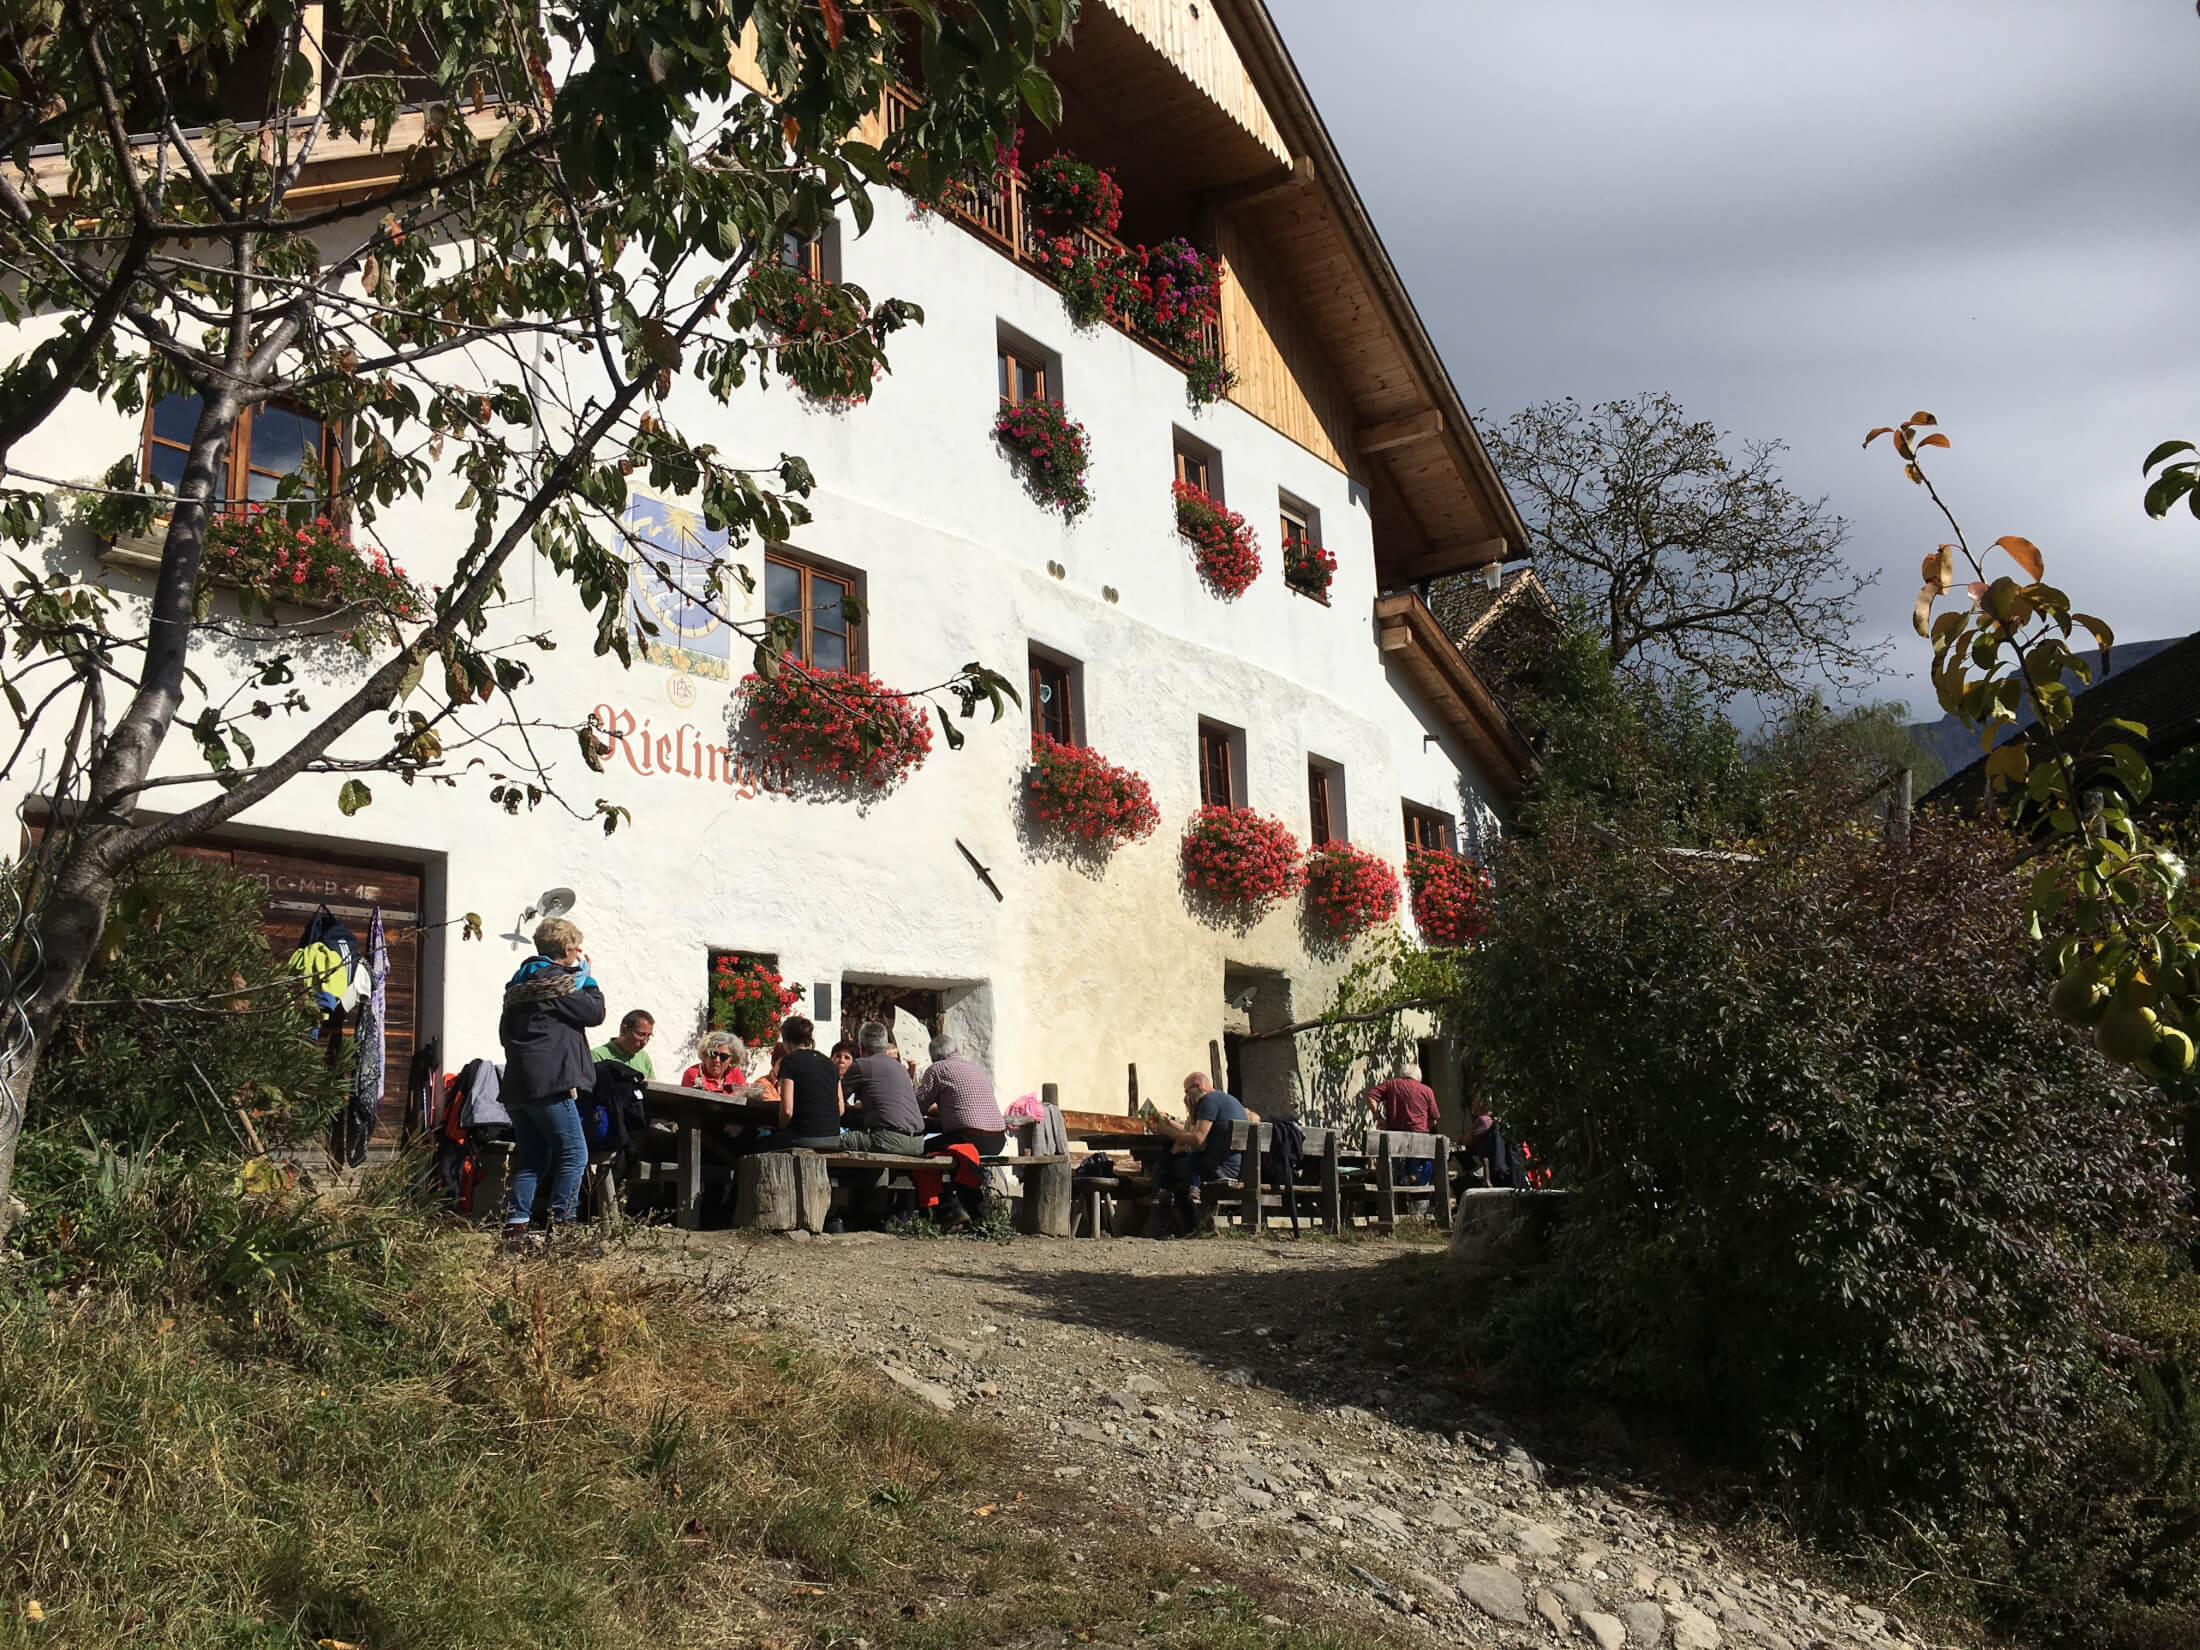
(1223, 1387)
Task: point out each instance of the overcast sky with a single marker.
(1808, 219)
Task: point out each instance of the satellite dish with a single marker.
(555, 902)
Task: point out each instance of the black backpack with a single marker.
(612, 1110)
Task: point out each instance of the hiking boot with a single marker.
(519, 1238)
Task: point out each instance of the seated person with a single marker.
(881, 1100)
(631, 1045)
(1199, 1150)
(844, 1056)
(808, 1090)
(717, 1064)
(1406, 1105)
(957, 1099)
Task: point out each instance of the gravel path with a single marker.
(1215, 1386)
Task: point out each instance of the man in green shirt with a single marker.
(630, 1046)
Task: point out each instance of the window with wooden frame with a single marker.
(1320, 814)
(1219, 783)
(1196, 466)
(805, 254)
(1300, 531)
(1427, 828)
(1023, 376)
(816, 596)
(1053, 698)
(270, 441)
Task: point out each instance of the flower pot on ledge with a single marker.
(316, 568)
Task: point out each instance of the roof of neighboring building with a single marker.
(1957, 746)
(2161, 693)
(1505, 631)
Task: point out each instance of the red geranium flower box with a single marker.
(1224, 548)
(1349, 889)
(1240, 857)
(1450, 896)
(748, 998)
(1082, 794)
(844, 724)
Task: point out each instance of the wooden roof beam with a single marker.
(1409, 636)
(1425, 425)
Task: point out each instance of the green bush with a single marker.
(150, 1054)
(1843, 1190)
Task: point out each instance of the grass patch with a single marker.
(388, 1436)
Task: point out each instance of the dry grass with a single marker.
(468, 1453)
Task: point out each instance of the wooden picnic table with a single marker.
(692, 1111)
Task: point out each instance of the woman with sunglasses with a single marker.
(717, 1066)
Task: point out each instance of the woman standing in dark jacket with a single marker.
(548, 1007)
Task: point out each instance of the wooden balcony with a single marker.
(1000, 215)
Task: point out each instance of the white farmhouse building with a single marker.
(1352, 716)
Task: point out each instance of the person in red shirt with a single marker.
(717, 1066)
(1405, 1103)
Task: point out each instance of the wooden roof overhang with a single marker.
(1410, 638)
(1166, 138)
(1438, 504)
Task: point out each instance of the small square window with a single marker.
(1198, 465)
(1325, 819)
(1054, 707)
(1428, 828)
(1221, 766)
(1023, 377)
(268, 443)
(816, 595)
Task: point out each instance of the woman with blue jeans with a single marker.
(549, 1006)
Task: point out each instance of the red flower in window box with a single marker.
(1240, 857)
(1450, 896)
(824, 336)
(1053, 449)
(1068, 188)
(1349, 889)
(844, 724)
(1082, 794)
(1307, 566)
(1222, 544)
(748, 998)
(260, 550)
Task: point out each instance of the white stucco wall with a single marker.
(1076, 972)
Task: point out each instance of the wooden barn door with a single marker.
(297, 885)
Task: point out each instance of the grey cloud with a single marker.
(1803, 220)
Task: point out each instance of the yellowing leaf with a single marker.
(1923, 418)
(1884, 429)
(1935, 440)
(1923, 617)
(2024, 553)
(370, 275)
(2010, 763)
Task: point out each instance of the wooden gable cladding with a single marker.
(1282, 376)
(1128, 106)
(1194, 41)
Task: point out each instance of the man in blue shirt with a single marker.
(1199, 1149)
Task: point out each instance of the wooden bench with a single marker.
(778, 1191)
(1321, 1178)
(1385, 1193)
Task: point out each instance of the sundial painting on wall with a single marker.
(690, 639)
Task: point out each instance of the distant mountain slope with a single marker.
(1957, 746)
